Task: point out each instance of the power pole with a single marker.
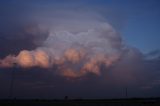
(12, 85)
(126, 92)
(11, 90)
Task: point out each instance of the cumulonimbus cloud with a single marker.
(76, 44)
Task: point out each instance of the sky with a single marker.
(92, 49)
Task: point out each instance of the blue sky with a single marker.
(140, 26)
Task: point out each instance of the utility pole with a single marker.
(126, 92)
(11, 90)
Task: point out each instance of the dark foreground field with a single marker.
(101, 102)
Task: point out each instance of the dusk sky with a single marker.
(79, 48)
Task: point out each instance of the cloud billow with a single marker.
(76, 44)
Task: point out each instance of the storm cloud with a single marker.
(70, 51)
(78, 43)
